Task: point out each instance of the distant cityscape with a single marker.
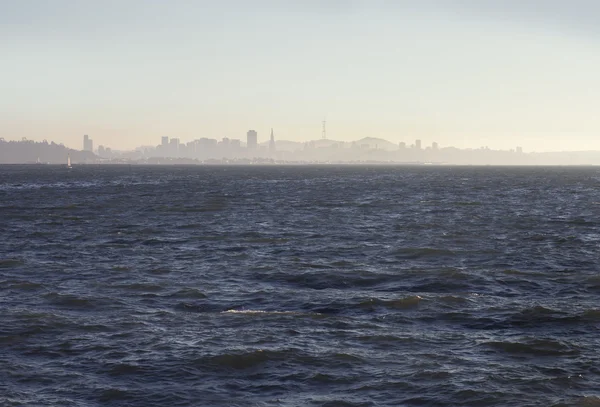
(272, 151)
(228, 150)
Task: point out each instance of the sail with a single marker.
(68, 160)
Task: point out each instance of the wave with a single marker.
(263, 312)
(349, 307)
(76, 185)
(591, 315)
(399, 303)
(199, 308)
(10, 263)
(329, 277)
(538, 315)
(188, 293)
(115, 394)
(123, 368)
(21, 285)
(79, 303)
(414, 253)
(588, 401)
(534, 347)
(214, 207)
(593, 283)
(453, 300)
(246, 360)
(145, 287)
(268, 313)
(335, 402)
(250, 359)
(385, 340)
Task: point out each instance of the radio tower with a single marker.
(324, 132)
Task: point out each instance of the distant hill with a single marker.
(28, 151)
(377, 143)
(287, 145)
(324, 143)
(372, 142)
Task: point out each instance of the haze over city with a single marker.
(461, 73)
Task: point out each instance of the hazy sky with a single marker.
(468, 73)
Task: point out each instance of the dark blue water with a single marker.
(299, 286)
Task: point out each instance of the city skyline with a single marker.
(204, 151)
(93, 145)
(252, 141)
(459, 72)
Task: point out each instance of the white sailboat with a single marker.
(69, 161)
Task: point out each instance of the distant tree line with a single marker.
(29, 151)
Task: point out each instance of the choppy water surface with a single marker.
(298, 286)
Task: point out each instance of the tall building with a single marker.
(88, 144)
(164, 141)
(251, 139)
(205, 143)
(174, 147)
(434, 146)
(272, 142)
(191, 147)
(418, 144)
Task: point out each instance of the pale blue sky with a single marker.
(468, 73)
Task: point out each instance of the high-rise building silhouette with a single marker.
(418, 144)
(164, 141)
(206, 143)
(174, 147)
(272, 142)
(434, 146)
(88, 144)
(251, 139)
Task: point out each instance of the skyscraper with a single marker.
(164, 141)
(418, 144)
(88, 144)
(251, 139)
(272, 142)
(174, 147)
